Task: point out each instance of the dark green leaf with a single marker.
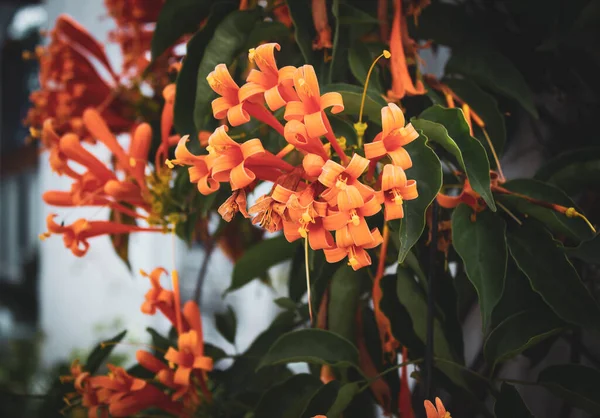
(427, 171)
(359, 60)
(226, 324)
(303, 29)
(342, 127)
(452, 132)
(314, 346)
(462, 376)
(176, 18)
(285, 303)
(352, 96)
(350, 15)
(486, 106)
(288, 399)
(573, 171)
(101, 352)
(509, 404)
(267, 31)
(322, 400)
(344, 397)
(214, 352)
(297, 278)
(573, 228)
(120, 242)
(344, 296)
(228, 40)
(490, 68)
(575, 383)
(519, 332)
(553, 276)
(482, 247)
(339, 52)
(159, 341)
(259, 258)
(185, 94)
(588, 251)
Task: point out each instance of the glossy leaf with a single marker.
(267, 31)
(322, 400)
(344, 397)
(315, 346)
(350, 15)
(288, 399)
(573, 171)
(297, 277)
(487, 66)
(344, 296)
(462, 376)
(120, 242)
(227, 42)
(339, 53)
(176, 18)
(214, 352)
(553, 276)
(519, 332)
(101, 352)
(451, 131)
(304, 32)
(588, 251)
(486, 106)
(509, 404)
(572, 228)
(159, 341)
(427, 171)
(359, 60)
(482, 247)
(259, 258)
(576, 384)
(226, 324)
(185, 94)
(352, 96)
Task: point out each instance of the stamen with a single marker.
(132, 162)
(170, 164)
(496, 159)
(354, 218)
(303, 231)
(397, 197)
(251, 54)
(306, 218)
(341, 183)
(572, 213)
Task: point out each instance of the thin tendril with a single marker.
(509, 213)
(496, 159)
(307, 279)
(364, 95)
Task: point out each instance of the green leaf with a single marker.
(413, 299)
(344, 296)
(519, 332)
(322, 400)
(176, 18)
(214, 352)
(267, 31)
(509, 404)
(187, 79)
(120, 242)
(462, 376)
(285, 303)
(553, 276)
(339, 52)
(288, 399)
(297, 277)
(359, 60)
(303, 29)
(315, 346)
(427, 171)
(573, 171)
(259, 258)
(482, 247)
(575, 383)
(228, 40)
(344, 397)
(350, 15)
(352, 96)
(101, 352)
(159, 341)
(490, 68)
(342, 127)
(226, 324)
(486, 106)
(588, 251)
(452, 132)
(573, 228)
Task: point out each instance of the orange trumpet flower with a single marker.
(395, 188)
(228, 105)
(344, 190)
(357, 255)
(437, 411)
(158, 297)
(296, 134)
(200, 167)
(321, 21)
(354, 221)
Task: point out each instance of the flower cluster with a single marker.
(322, 200)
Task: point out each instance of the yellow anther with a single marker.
(251, 54)
(386, 54)
(143, 273)
(35, 133)
(353, 262)
(171, 365)
(169, 164)
(571, 213)
(342, 142)
(133, 162)
(397, 198)
(341, 183)
(303, 232)
(306, 218)
(355, 219)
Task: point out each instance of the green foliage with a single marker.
(509, 404)
(101, 352)
(226, 323)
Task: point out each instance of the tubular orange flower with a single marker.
(228, 105)
(344, 190)
(234, 204)
(282, 13)
(200, 170)
(313, 164)
(357, 256)
(354, 220)
(158, 297)
(166, 122)
(437, 411)
(402, 83)
(321, 21)
(269, 209)
(394, 136)
(100, 130)
(276, 85)
(296, 134)
(467, 196)
(395, 188)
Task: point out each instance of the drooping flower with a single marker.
(321, 22)
(158, 297)
(353, 220)
(395, 189)
(437, 411)
(345, 247)
(234, 204)
(228, 105)
(394, 136)
(200, 167)
(305, 220)
(268, 210)
(344, 189)
(296, 134)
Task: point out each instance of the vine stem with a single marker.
(431, 300)
(208, 251)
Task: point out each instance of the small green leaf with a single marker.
(462, 376)
(285, 303)
(344, 296)
(120, 242)
(573, 171)
(519, 332)
(322, 400)
(342, 127)
(259, 258)
(575, 383)
(289, 398)
(588, 251)
(101, 352)
(487, 66)
(553, 276)
(315, 346)
(159, 341)
(482, 247)
(486, 106)
(509, 404)
(176, 18)
(359, 60)
(573, 228)
(352, 96)
(228, 40)
(303, 28)
(226, 324)
(297, 277)
(452, 132)
(427, 171)
(344, 398)
(187, 79)
(214, 352)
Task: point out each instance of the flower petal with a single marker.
(315, 125)
(356, 166)
(330, 173)
(241, 177)
(333, 100)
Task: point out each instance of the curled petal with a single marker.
(333, 100)
(393, 210)
(264, 56)
(361, 235)
(315, 125)
(313, 164)
(375, 149)
(371, 206)
(274, 98)
(392, 176)
(330, 173)
(391, 118)
(221, 81)
(241, 177)
(356, 166)
(448, 202)
(401, 158)
(220, 106)
(377, 239)
(281, 194)
(333, 255)
(237, 115)
(349, 198)
(291, 231)
(361, 259)
(250, 91)
(336, 220)
(252, 148)
(409, 192)
(294, 110)
(320, 239)
(343, 238)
